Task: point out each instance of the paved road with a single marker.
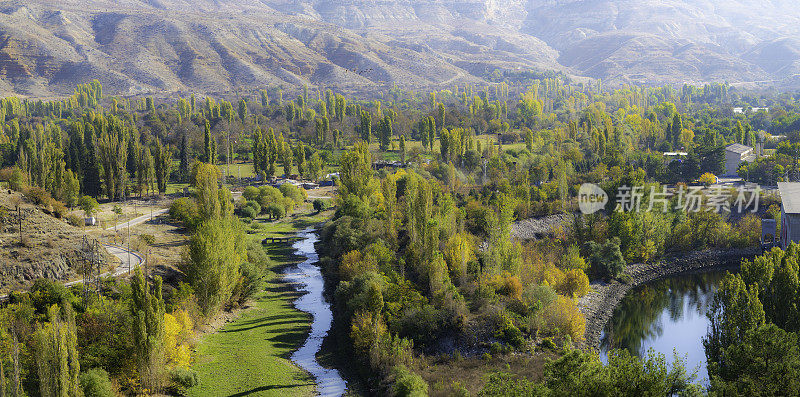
(141, 219)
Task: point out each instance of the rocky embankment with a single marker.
(541, 227)
(50, 248)
(599, 305)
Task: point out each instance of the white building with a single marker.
(735, 154)
(790, 213)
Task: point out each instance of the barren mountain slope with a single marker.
(134, 47)
(167, 46)
(657, 41)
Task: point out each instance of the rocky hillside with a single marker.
(138, 46)
(50, 248)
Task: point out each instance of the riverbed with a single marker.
(666, 315)
(307, 278)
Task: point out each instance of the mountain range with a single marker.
(214, 46)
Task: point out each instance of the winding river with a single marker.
(308, 279)
(665, 315)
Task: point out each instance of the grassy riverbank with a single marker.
(250, 355)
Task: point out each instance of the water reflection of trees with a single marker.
(638, 316)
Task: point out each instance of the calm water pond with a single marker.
(666, 315)
(308, 278)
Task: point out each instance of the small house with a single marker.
(735, 154)
(790, 213)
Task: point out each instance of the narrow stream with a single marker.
(308, 279)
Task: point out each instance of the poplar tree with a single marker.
(91, 168)
(162, 158)
(259, 154)
(183, 168)
(441, 113)
(208, 145)
(286, 158)
(385, 132)
(365, 127)
(147, 312)
(272, 152)
(676, 129)
(243, 110)
(56, 347)
(403, 149)
(423, 133)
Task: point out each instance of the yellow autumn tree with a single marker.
(177, 338)
(563, 315)
(458, 252)
(574, 284)
(354, 263)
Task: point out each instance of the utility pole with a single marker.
(129, 246)
(19, 217)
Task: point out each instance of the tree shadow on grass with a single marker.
(290, 341)
(263, 323)
(267, 388)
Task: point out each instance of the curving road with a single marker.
(129, 260)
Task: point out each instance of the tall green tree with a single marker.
(183, 168)
(206, 185)
(355, 172)
(147, 312)
(91, 164)
(57, 362)
(216, 251)
(209, 152)
(162, 157)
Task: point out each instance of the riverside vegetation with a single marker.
(419, 257)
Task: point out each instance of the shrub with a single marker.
(319, 205)
(496, 349)
(548, 343)
(606, 259)
(268, 195)
(707, 179)
(249, 212)
(276, 211)
(17, 180)
(563, 316)
(574, 284)
(184, 210)
(511, 334)
(255, 206)
(250, 193)
(88, 204)
(38, 195)
(148, 239)
(95, 383)
(407, 384)
(75, 220)
(539, 295)
(293, 192)
(57, 208)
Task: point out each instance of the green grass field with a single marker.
(250, 356)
